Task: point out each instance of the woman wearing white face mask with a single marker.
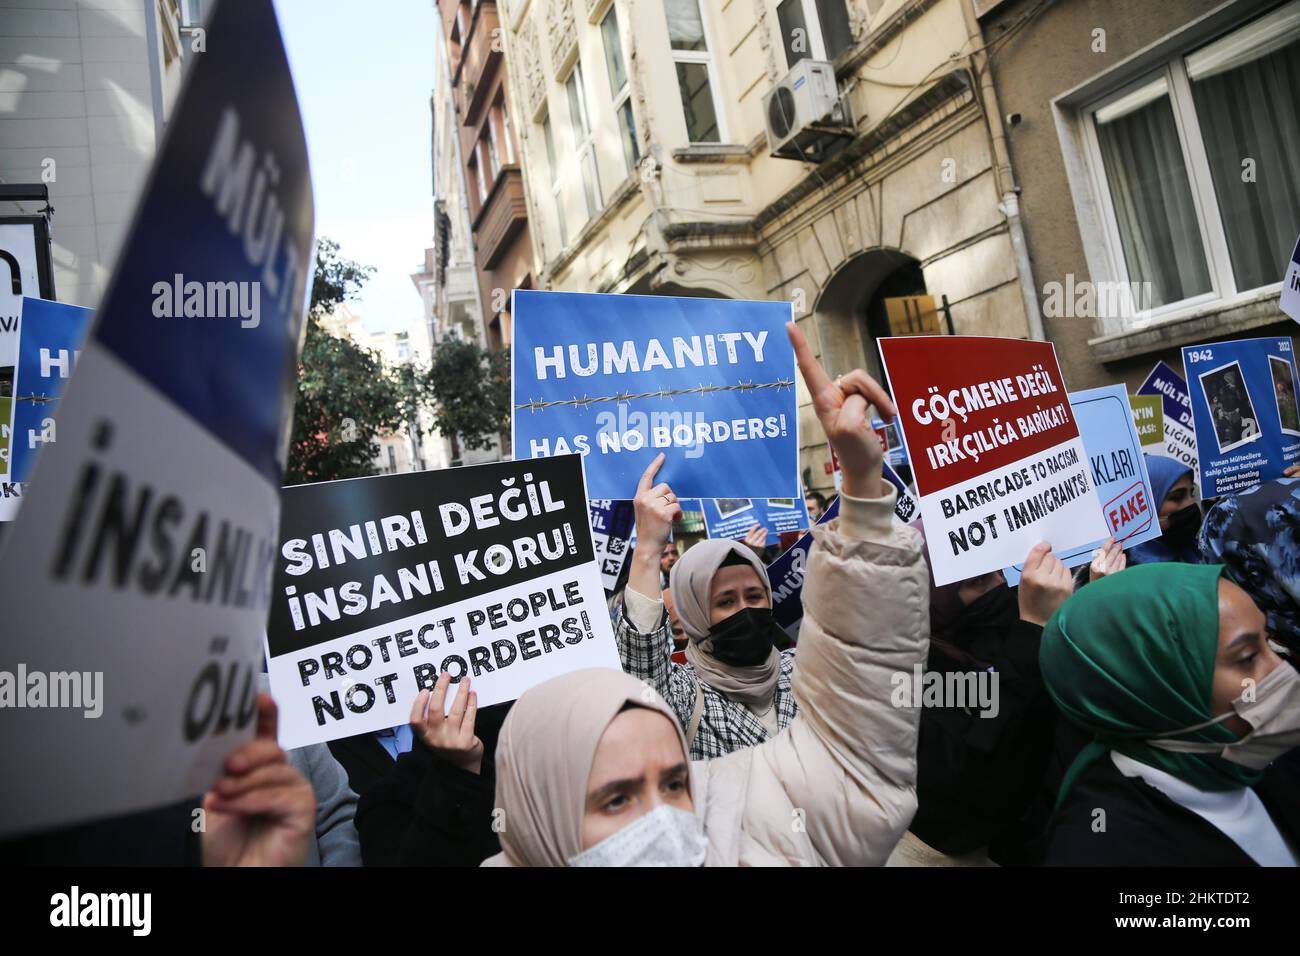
(593, 769)
(1168, 667)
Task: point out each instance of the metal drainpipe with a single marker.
(1010, 205)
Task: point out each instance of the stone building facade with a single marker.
(642, 127)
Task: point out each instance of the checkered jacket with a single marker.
(725, 726)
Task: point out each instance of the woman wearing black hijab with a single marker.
(979, 771)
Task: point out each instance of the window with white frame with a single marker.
(583, 146)
(553, 166)
(695, 74)
(813, 28)
(1198, 166)
(620, 88)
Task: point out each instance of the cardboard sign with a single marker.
(1244, 410)
(786, 575)
(141, 560)
(613, 524)
(1180, 438)
(1290, 303)
(49, 343)
(383, 583)
(620, 378)
(994, 448)
(1119, 473)
(1149, 419)
(733, 517)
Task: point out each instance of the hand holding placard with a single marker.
(842, 407)
(263, 811)
(1045, 584)
(449, 733)
(1109, 559)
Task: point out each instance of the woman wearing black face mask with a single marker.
(735, 689)
(1180, 515)
(978, 767)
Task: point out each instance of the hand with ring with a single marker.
(656, 509)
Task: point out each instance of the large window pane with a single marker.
(577, 109)
(627, 131)
(590, 184)
(613, 51)
(794, 31)
(1152, 197)
(697, 103)
(685, 25)
(551, 161)
(837, 35)
(1246, 87)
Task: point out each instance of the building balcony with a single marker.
(460, 284)
(501, 218)
(479, 61)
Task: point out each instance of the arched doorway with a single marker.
(850, 312)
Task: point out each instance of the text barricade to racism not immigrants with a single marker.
(994, 448)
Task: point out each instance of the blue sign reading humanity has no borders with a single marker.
(620, 378)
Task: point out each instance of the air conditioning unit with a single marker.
(806, 116)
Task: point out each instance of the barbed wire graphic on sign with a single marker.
(537, 405)
(41, 399)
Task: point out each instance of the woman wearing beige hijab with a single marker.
(593, 768)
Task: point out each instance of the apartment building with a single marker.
(644, 130)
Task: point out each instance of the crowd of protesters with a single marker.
(1148, 711)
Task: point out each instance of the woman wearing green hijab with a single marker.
(1168, 668)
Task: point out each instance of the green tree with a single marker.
(345, 396)
(468, 388)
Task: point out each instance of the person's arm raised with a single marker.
(842, 407)
(656, 509)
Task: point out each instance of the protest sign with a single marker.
(382, 583)
(49, 342)
(994, 448)
(891, 441)
(906, 509)
(733, 517)
(786, 575)
(138, 571)
(1180, 439)
(612, 526)
(1290, 303)
(1119, 473)
(1244, 411)
(1149, 419)
(620, 378)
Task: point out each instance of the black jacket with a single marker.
(976, 776)
(1143, 827)
(166, 836)
(364, 759)
(426, 812)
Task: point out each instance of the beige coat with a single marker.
(838, 786)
